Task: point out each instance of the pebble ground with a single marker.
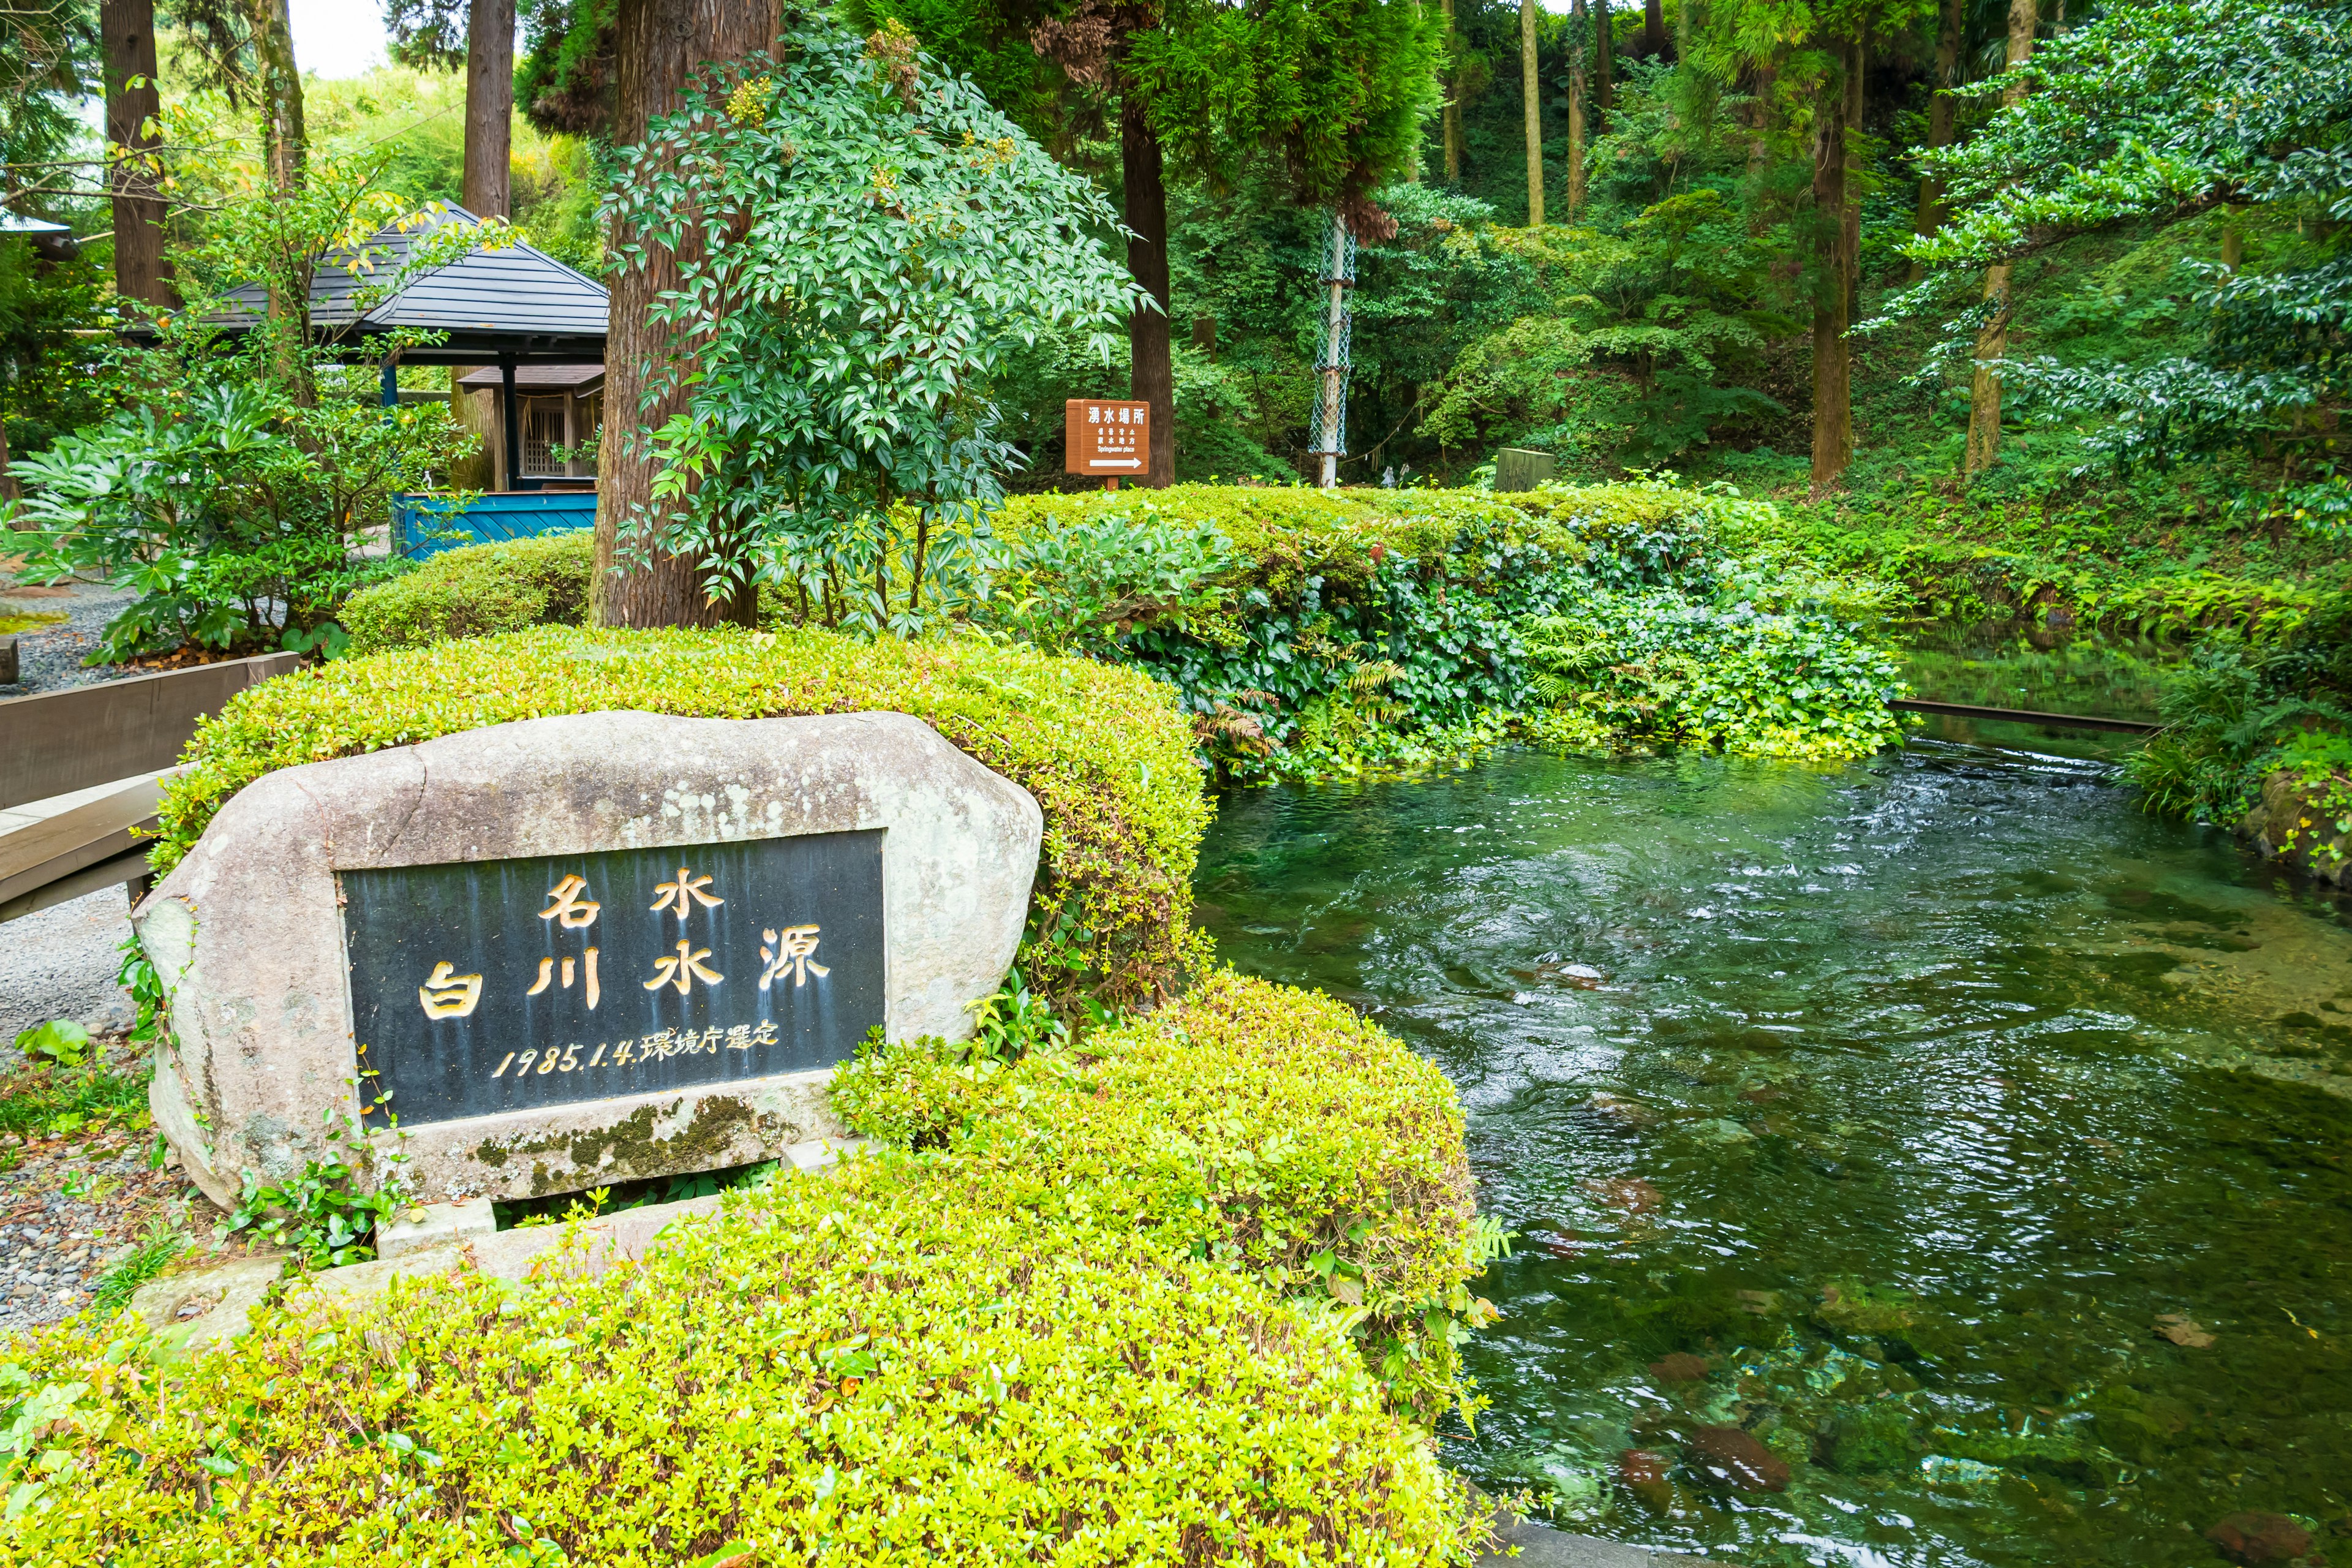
(76, 1202)
(49, 659)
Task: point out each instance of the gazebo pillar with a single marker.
(512, 414)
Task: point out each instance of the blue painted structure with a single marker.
(491, 518)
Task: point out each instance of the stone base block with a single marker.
(435, 1225)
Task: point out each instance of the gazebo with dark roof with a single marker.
(510, 306)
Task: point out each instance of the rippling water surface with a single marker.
(1930, 1162)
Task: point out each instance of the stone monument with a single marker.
(575, 950)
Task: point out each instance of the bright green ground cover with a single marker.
(1309, 632)
(1364, 628)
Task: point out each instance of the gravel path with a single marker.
(59, 962)
(81, 1194)
(49, 659)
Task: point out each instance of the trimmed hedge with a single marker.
(1103, 1315)
(1263, 1127)
(895, 1366)
(475, 592)
(1102, 748)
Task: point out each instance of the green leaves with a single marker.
(855, 262)
(61, 1041)
(324, 1215)
(235, 512)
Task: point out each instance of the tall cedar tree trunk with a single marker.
(1575, 110)
(1453, 99)
(278, 82)
(1531, 95)
(1150, 372)
(1760, 142)
(658, 45)
(490, 108)
(487, 193)
(1834, 286)
(141, 273)
(1993, 338)
(1682, 30)
(1857, 78)
(1930, 216)
(1604, 44)
(1653, 29)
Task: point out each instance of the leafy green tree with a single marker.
(857, 235)
(1337, 88)
(48, 63)
(2157, 112)
(234, 495)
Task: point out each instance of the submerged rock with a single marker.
(2067, 1458)
(1735, 1458)
(1646, 1475)
(2258, 1538)
(1680, 1368)
(1625, 1112)
(1875, 1441)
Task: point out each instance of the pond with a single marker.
(1933, 1161)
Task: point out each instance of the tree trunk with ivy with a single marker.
(279, 83)
(1940, 109)
(1993, 338)
(1453, 116)
(141, 273)
(661, 44)
(1604, 45)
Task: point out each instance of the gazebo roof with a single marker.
(513, 300)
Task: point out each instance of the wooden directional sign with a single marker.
(1108, 440)
(501, 985)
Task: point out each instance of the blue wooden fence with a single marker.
(514, 514)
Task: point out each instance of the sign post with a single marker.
(1108, 440)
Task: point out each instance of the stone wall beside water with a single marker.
(2289, 825)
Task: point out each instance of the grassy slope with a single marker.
(2165, 549)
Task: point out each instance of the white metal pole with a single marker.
(1334, 374)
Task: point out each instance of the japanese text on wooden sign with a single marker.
(1112, 439)
(512, 984)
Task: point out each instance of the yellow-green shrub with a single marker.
(1102, 748)
(475, 592)
(898, 1366)
(1262, 1128)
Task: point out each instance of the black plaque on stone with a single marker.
(490, 985)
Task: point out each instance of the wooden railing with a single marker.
(81, 773)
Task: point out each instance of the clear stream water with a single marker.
(1929, 1160)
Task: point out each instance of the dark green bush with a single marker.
(1103, 749)
(475, 592)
